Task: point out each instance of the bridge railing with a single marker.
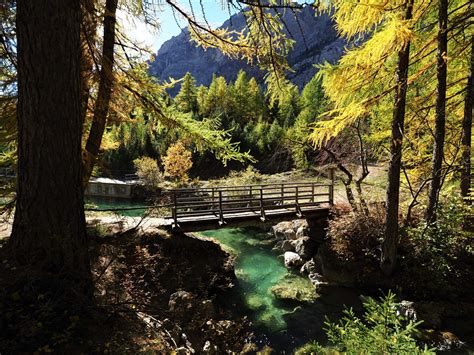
(228, 200)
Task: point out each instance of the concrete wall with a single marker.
(101, 189)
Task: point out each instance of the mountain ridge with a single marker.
(316, 42)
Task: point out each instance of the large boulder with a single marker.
(300, 224)
(311, 267)
(279, 230)
(284, 230)
(302, 231)
(294, 288)
(288, 245)
(305, 247)
(292, 259)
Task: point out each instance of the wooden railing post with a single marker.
(331, 187)
(212, 198)
(221, 213)
(297, 203)
(251, 195)
(312, 192)
(282, 194)
(262, 208)
(174, 210)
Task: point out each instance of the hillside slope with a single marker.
(316, 42)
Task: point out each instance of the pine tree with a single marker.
(440, 120)
(467, 131)
(240, 97)
(201, 100)
(256, 101)
(186, 100)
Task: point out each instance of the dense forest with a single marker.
(394, 114)
(267, 130)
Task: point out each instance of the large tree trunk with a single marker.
(88, 38)
(440, 121)
(467, 131)
(390, 242)
(104, 94)
(49, 235)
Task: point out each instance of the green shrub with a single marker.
(439, 244)
(148, 172)
(381, 330)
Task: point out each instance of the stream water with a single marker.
(282, 305)
(105, 203)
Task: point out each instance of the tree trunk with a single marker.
(467, 132)
(104, 94)
(390, 242)
(440, 121)
(88, 38)
(364, 173)
(347, 183)
(49, 234)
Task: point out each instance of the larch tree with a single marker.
(440, 120)
(467, 131)
(186, 99)
(390, 242)
(104, 94)
(49, 235)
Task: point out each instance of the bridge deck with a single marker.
(195, 209)
(213, 221)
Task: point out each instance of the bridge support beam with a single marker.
(317, 228)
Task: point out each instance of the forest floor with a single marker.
(153, 292)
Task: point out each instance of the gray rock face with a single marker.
(292, 259)
(284, 231)
(305, 247)
(287, 246)
(316, 42)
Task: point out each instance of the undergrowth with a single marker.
(381, 330)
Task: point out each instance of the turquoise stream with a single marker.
(285, 322)
(114, 203)
(258, 270)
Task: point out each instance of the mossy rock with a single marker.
(271, 321)
(254, 302)
(242, 275)
(294, 289)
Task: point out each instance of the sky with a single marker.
(171, 24)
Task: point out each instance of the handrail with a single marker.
(219, 202)
(245, 187)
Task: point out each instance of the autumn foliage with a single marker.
(177, 162)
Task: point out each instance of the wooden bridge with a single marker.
(210, 208)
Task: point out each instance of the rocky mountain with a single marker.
(316, 40)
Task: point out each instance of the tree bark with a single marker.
(390, 242)
(104, 94)
(347, 183)
(49, 236)
(88, 38)
(364, 173)
(440, 121)
(467, 132)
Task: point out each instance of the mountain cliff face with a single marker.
(316, 42)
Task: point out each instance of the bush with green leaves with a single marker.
(439, 245)
(381, 330)
(148, 171)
